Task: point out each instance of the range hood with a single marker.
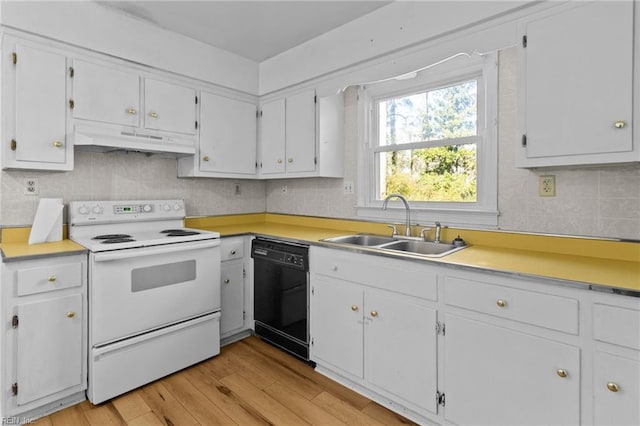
(107, 139)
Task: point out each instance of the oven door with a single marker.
(134, 291)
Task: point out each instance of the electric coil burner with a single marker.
(154, 292)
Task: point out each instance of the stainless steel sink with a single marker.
(361, 240)
(423, 247)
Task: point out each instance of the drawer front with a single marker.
(620, 326)
(41, 279)
(544, 310)
(233, 249)
(400, 276)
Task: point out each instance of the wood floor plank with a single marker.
(103, 414)
(301, 406)
(130, 405)
(384, 415)
(43, 421)
(195, 402)
(237, 409)
(343, 411)
(251, 367)
(271, 409)
(70, 416)
(147, 419)
(165, 406)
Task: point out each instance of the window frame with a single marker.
(483, 212)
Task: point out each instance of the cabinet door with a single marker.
(336, 324)
(169, 107)
(497, 376)
(578, 75)
(616, 382)
(105, 94)
(40, 109)
(49, 347)
(272, 131)
(231, 295)
(400, 353)
(301, 132)
(227, 135)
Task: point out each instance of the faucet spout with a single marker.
(437, 236)
(406, 207)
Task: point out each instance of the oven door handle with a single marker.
(150, 251)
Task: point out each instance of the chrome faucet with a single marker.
(436, 239)
(406, 206)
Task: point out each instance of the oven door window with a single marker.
(155, 276)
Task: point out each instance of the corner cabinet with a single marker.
(44, 347)
(34, 105)
(577, 85)
(227, 144)
(301, 135)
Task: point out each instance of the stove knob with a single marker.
(166, 207)
(146, 208)
(83, 209)
(177, 207)
(97, 209)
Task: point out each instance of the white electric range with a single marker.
(154, 291)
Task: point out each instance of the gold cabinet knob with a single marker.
(227, 281)
(562, 373)
(71, 314)
(354, 308)
(613, 387)
(154, 114)
(619, 124)
(57, 144)
(205, 158)
(52, 278)
(501, 303)
(132, 111)
(279, 160)
(374, 313)
(290, 160)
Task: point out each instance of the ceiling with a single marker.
(256, 30)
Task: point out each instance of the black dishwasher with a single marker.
(281, 294)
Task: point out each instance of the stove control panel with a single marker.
(117, 211)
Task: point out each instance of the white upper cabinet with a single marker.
(169, 107)
(227, 139)
(106, 94)
(34, 106)
(576, 97)
(302, 136)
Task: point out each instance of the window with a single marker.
(432, 139)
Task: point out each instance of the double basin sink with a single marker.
(425, 248)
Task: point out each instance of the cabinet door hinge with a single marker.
(440, 398)
(196, 100)
(15, 321)
(313, 291)
(14, 145)
(14, 58)
(312, 341)
(196, 124)
(244, 273)
(315, 160)
(315, 99)
(260, 113)
(72, 104)
(72, 72)
(524, 140)
(244, 315)
(14, 389)
(524, 41)
(440, 329)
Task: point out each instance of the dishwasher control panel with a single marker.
(292, 255)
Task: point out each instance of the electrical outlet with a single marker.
(31, 186)
(547, 186)
(348, 187)
(284, 190)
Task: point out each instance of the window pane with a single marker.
(448, 112)
(446, 173)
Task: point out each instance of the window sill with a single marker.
(485, 219)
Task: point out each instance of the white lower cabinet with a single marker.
(44, 346)
(616, 389)
(494, 375)
(233, 292)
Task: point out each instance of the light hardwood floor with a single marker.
(249, 383)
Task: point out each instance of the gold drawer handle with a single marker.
(205, 158)
(374, 313)
(52, 279)
(619, 124)
(227, 281)
(501, 303)
(132, 111)
(562, 373)
(279, 160)
(613, 387)
(290, 160)
(57, 144)
(71, 314)
(354, 308)
(154, 114)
